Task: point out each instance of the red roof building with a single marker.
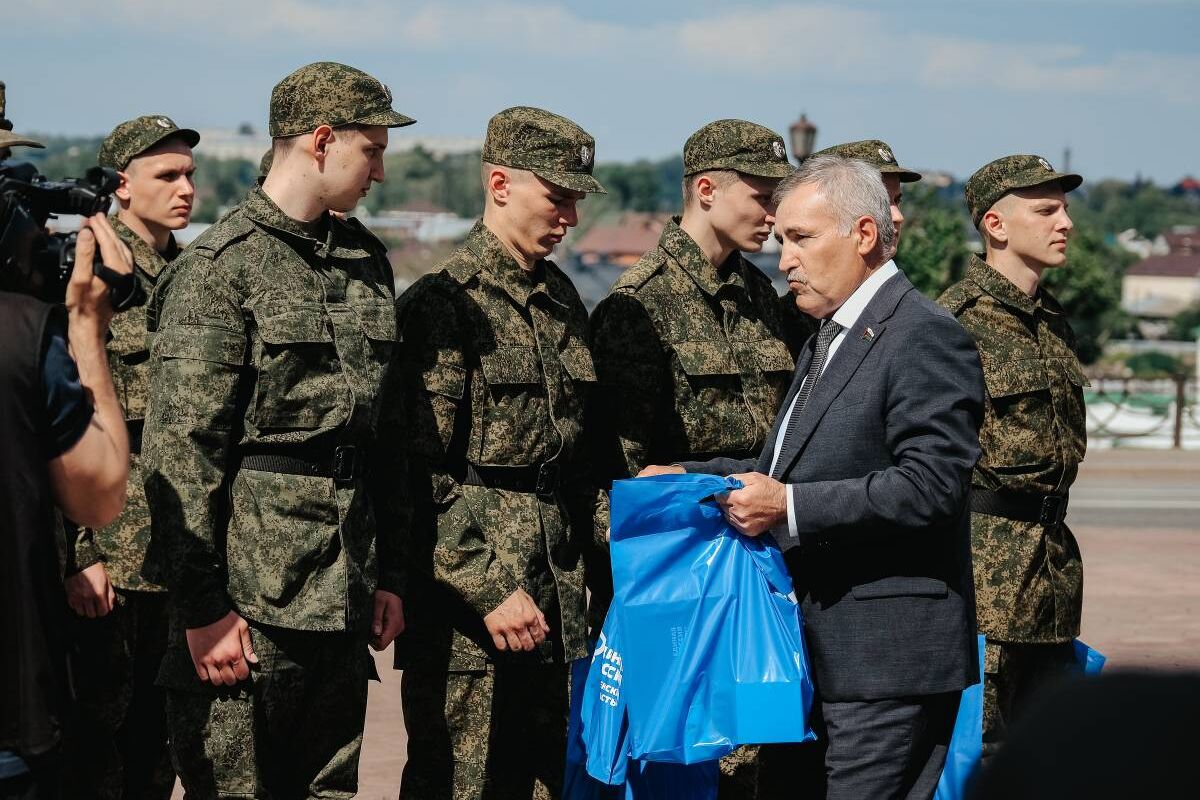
(622, 243)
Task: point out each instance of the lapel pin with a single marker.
(868, 334)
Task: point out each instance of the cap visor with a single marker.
(1070, 181)
(575, 181)
(389, 119)
(13, 140)
(906, 175)
(773, 170)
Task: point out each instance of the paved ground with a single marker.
(1137, 517)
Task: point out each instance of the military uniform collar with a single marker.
(495, 259)
(262, 210)
(683, 249)
(145, 257)
(1004, 290)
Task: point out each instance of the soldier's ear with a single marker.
(992, 226)
(122, 190)
(498, 184)
(320, 140)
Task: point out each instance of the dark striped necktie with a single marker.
(825, 336)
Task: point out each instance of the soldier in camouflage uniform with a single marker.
(691, 347)
(119, 744)
(878, 154)
(496, 372)
(1028, 571)
(274, 333)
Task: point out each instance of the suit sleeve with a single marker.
(934, 402)
(444, 540)
(201, 345)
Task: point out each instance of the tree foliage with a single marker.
(933, 242)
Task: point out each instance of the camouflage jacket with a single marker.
(122, 545)
(273, 339)
(496, 373)
(1028, 577)
(693, 361)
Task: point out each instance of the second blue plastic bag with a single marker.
(712, 642)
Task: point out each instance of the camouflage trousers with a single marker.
(292, 731)
(499, 734)
(1013, 675)
(117, 744)
(739, 774)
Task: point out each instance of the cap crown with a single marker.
(995, 179)
(329, 93)
(134, 137)
(873, 151)
(537, 140)
(738, 145)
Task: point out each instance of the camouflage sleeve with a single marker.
(446, 540)
(81, 548)
(390, 494)
(632, 375)
(194, 418)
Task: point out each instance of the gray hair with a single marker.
(852, 189)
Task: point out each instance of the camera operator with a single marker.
(65, 447)
(118, 748)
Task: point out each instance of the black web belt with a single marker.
(1044, 509)
(343, 463)
(539, 479)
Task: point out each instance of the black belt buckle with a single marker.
(547, 479)
(345, 460)
(1054, 510)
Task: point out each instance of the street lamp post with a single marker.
(803, 135)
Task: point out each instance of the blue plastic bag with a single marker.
(603, 721)
(966, 743)
(711, 636)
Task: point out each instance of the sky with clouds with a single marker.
(950, 84)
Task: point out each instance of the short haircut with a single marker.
(282, 145)
(851, 188)
(719, 177)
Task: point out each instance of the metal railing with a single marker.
(1144, 411)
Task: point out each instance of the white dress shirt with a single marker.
(846, 316)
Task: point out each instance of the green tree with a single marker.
(933, 241)
(1183, 325)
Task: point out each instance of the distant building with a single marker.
(1162, 285)
(1188, 187)
(622, 243)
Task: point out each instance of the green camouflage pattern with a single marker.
(135, 136)
(117, 743)
(552, 147)
(123, 545)
(497, 733)
(738, 145)
(495, 371)
(293, 730)
(333, 94)
(273, 337)
(1028, 577)
(7, 137)
(1013, 675)
(997, 178)
(875, 152)
(693, 360)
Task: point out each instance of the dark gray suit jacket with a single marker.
(879, 464)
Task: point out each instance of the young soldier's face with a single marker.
(539, 213)
(353, 161)
(891, 182)
(742, 212)
(158, 185)
(1037, 224)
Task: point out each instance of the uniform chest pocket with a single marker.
(773, 356)
(299, 382)
(705, 361)
(511, 366)
(1007, 379)
(378, 321)
(577, 361)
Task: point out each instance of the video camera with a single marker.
(38, 263)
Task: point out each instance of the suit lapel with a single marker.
(842, 366)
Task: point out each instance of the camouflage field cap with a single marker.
(134, 137)
(738, 145)
(992, 181)
(551, 147)
(876, 153)
(7, 137)
(333, 94)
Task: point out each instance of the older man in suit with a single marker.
(864, 483)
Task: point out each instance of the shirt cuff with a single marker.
(788, 536)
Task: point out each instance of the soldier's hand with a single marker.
(389, 619)
(517, 623)
(89, 592)
(222, 652)
(656, 469)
